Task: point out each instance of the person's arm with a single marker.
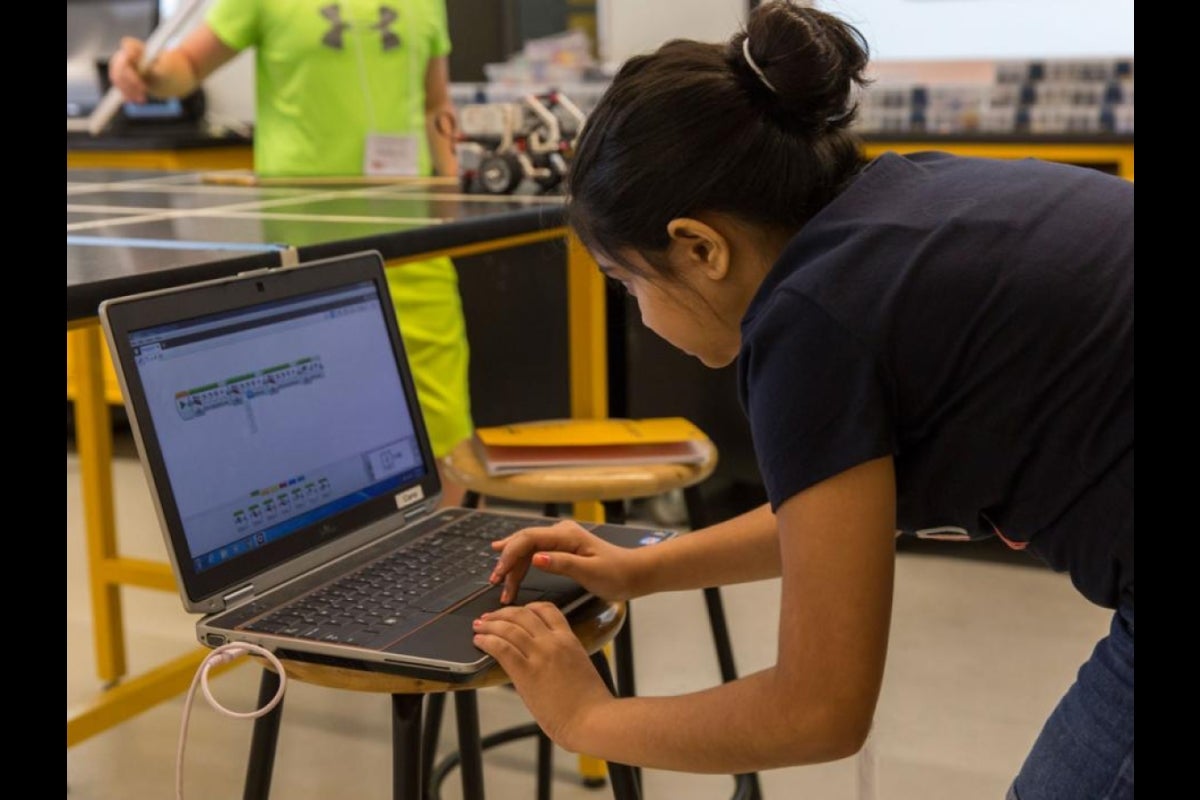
(739, 550)
(176, 72)
(439, 105)
(815, 704)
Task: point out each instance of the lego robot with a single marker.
(502, 145)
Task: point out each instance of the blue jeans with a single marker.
(1085, 750)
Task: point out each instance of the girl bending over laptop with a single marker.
(926, 344)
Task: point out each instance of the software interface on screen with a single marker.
(275, 417)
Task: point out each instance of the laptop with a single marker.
(277, 421)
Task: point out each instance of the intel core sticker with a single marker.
(409, 496)
(652, 538)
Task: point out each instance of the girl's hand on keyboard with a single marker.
(603, 568)
(548, 667)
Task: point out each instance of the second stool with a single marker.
(612, 486)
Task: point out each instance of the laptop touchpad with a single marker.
(490, 601)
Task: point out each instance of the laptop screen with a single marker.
(276, 416)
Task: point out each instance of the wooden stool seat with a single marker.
(414, 733)
(576, 484)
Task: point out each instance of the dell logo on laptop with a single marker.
(409, 496)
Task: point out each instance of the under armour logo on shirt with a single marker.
(387, 16)
(337, 27)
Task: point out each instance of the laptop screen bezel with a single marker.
(125, 316)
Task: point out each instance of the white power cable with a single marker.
(221, 655)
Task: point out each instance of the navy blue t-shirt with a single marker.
(972, 318)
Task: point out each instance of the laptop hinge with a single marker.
(243, 593)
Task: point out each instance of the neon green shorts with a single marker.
(429, 312)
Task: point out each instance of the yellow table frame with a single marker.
(239, 156)
(126, 697)
(1118, 156)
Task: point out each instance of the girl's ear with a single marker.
(695, 245)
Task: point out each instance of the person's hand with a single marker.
(603, 568)
(547, 665)
(123, 70)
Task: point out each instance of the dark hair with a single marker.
(693, 127)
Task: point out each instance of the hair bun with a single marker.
(804, 64)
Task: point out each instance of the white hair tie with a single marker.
(753, 66)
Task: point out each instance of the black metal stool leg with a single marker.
(452, 760)
(623, 647)
(545, 764)
(432, 731)
(623, 651)
(470, 748)
(747, 783)
(263, 740)
(747, 786)
(696, 510)
(720, 632)
(406, 746)
(623, 778)
(614, 511)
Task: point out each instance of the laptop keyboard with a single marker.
(383, 601)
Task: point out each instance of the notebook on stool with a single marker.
(277, 420)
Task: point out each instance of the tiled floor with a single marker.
(980, 652)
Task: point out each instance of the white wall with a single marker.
(990, 29)
(628, 27)
(895, 29)
(230, 90)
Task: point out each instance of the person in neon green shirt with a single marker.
(345, 88)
